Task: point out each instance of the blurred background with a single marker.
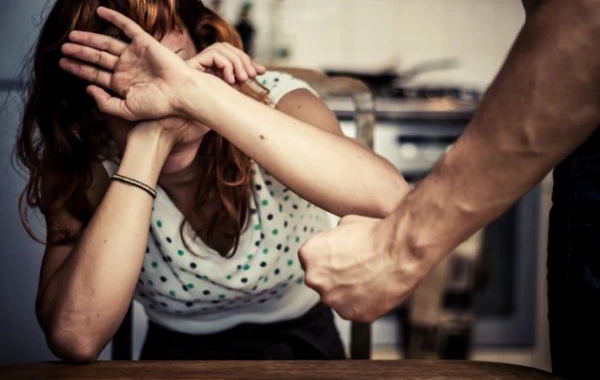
(427, 62)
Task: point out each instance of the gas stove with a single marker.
(415, 126)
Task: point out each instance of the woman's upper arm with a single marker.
(305, 106)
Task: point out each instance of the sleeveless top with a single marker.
(202, 292)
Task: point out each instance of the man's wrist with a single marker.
(417, 232)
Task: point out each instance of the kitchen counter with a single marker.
(326, 369)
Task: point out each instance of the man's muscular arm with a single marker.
(543, 104)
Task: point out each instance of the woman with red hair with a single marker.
(187, 178)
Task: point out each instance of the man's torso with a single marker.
(530, 5)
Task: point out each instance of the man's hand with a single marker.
(359, 269)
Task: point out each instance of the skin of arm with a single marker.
(80, 304)
(86, 288)
(294, 144)
(544, 103)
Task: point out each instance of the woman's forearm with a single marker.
(329, 170)
(86, 299)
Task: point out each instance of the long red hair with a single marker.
(63, 134)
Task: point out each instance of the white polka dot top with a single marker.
(204, 293)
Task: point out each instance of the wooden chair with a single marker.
(364, 117)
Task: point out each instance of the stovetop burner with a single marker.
(392, 85)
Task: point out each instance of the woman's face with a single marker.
(184, 151)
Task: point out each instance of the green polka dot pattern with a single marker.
(186, 278)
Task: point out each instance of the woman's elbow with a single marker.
(72, 347)
(387, 202)
(385, 207)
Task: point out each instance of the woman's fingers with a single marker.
(98, 41)
(260, 69)
(128, 26)
(225, 65)
(238, 65)
(208, 60)
(249, 67)
(90, 55)
(252, 68)
(86, 72)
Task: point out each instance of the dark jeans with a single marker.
(311, 337)
(574, 264)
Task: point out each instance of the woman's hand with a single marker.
(227, 62)
(144, 73)
(147, 76)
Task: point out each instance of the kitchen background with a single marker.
(430, 50)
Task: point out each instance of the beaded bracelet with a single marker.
(133, 182)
